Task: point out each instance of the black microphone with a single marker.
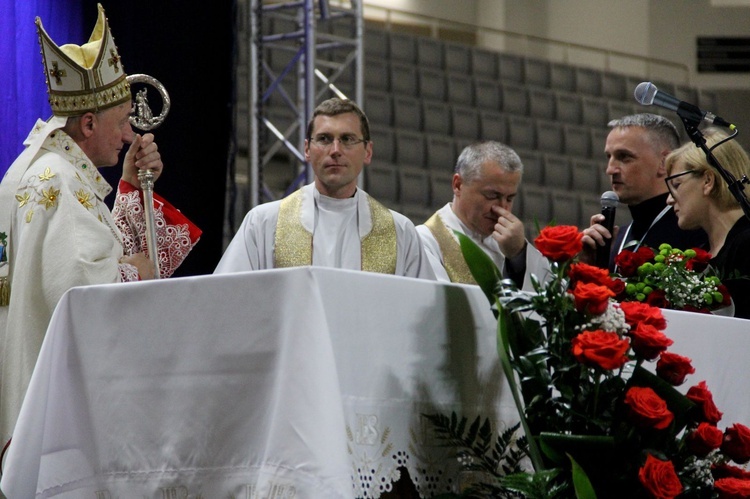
(646, 93)
(609, 204)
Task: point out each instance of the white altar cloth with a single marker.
(304, 382)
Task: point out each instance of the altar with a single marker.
(303, 382)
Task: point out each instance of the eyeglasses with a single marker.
(673, 185)
(345, 141)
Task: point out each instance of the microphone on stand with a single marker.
(609, 202)
(647, 94)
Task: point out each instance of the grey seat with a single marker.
(407, 112)
(562, 77)
(568, 108)
(381, 181)
(616, 110)
(536, 72)
(436, 117)
(383, 143)
(514, 99)
(377, 74)
(441, 188)
(594, 112)
(549, 136)
(440, 152)
(402, 48)
(541, 103)
(486, 94)
(566, 208)
(614, 86)
(510, 68)
(533, 167)
(484, 63)
(536, 206)
(521, 132)
(589, 81)
(577, 141)
(432, 84)
(556, 171)
(465, 121)
(585, 175)
(410, 151)
(460, 89)
(493, 125)
(379, 108)
(457, 58)
(375, 43)
(403, 79)
(429, 53)
(414, 186)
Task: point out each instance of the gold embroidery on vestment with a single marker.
(379, 247)
(292, 242)
(49, 197)
(23, 199)
(47, 175)
(453, 259)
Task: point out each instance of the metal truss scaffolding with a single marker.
(295, 55)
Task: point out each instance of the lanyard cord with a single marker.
(638, 243)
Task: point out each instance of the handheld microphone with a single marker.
(646, 93)
(609, 204)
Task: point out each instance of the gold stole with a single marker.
(293, 243)
(453, 260)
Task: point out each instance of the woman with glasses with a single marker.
(701, 198)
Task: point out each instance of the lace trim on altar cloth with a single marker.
(377, 454)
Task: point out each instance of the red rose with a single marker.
(702, 397)
(559, 243)
(724, 470)
(705, 438)
(600, 348)
(699, 262)
(732, 488)
(736, 443)
(583, 272)
(637, 313)
(674, 368)
(721, 288)
(647, 409)
(657, 298)
(648, 342)
(592, 298)
(628, 261)
(660, 478)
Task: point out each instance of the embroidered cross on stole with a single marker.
(293, 243)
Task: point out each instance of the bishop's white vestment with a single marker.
(61, 234)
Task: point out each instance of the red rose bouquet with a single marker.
(671, 278)
(594, 382)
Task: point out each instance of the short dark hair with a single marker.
(663, 133)
(335, 106)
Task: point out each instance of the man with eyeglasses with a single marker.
(330, 222)
(485, 184)
(636, 148)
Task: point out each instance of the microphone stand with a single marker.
(736, 187)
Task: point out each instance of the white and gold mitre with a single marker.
(86, 78)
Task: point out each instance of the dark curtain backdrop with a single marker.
(23, 95)
(187, 45)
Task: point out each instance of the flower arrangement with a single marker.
(671, 278)
(595, 385)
